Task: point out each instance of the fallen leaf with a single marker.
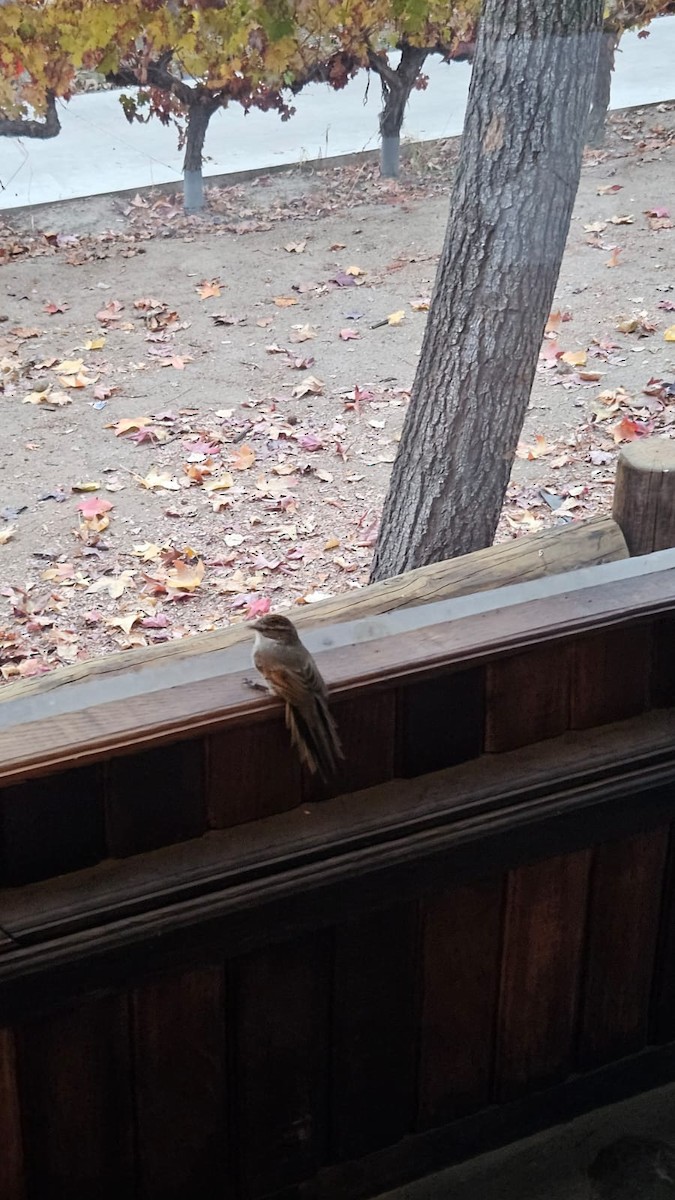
(356, 272)
(7, 534)
(613, 260)
(302, 333)
(627, 430)
(627, 219)
(221, 484)
(610, 189)
(185, 576)
(349, 335)
(51, 399)
(160, 479)
(538, 450)
(110, 313)
(295, 247)
(309, 386)
(89, 485)
(421, 304)
(70, 366)
(332, 543)
(576, 358)
(96, 343)
(129, 425)
(94, 506)
(395, 318)
(596, 227)
(52, 308)
(285, 301)
(209, 288)
(669, 335)
(243, 458)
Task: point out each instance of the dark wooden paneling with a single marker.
(441, 722)
(663, 664)
(374, 1031)
(11, 1144)
(663, 995)
(50, 826)
(461, 949)
(74, 1079)
(626, 890)
(610, 676)
(179, 1072)
(528, 698)
(253, 772)
(541, 964)
(367, 728)
(155, 798)
(282, 1055)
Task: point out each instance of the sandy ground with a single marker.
(201, 414)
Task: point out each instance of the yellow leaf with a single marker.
(89, 485)
(420, 305)
(185, 577)
(69, 366)
(395, 318)
(355, 271)
(53, 399)
(129, 425)
(332, 543)
(669, 335)
(575, 358)
(157, 479)
(285, 301)
(96, 343)
(221, 484)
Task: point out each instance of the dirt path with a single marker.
(201, 416)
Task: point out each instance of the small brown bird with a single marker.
(291, 674)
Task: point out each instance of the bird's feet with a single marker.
(255, 684)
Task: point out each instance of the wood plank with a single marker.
(541, 968)
(663, 663)
(461, 953)
(232, 891)
(405, 645)
(155, 798)
(441, 722)
(584, 544)
(528, 698)
(662, 1017)
(610, 676)
(373, 1097)
(253, 772)
(179, 1072)
(51, 826)
(367, 729)
(11, 1141)
(281, 1016)
(626, 890)
(74, 1072)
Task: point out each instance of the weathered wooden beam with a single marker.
(586, 544)
(96, 719)
(644, 495)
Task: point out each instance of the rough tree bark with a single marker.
(509, 216)
(199, 115)
(597, 117)
(396, 88)
(26, 127)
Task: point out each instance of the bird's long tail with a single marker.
(314, 733)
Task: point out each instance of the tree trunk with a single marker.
(199, 115)
(595, 128)
(510, 213)
(396, 88)
(29, 128)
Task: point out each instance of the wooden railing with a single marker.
(217, 977)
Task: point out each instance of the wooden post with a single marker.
(644, 495)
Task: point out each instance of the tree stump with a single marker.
(644, 495)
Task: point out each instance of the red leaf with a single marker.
(94, 506)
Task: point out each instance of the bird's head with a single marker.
(277, 628)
